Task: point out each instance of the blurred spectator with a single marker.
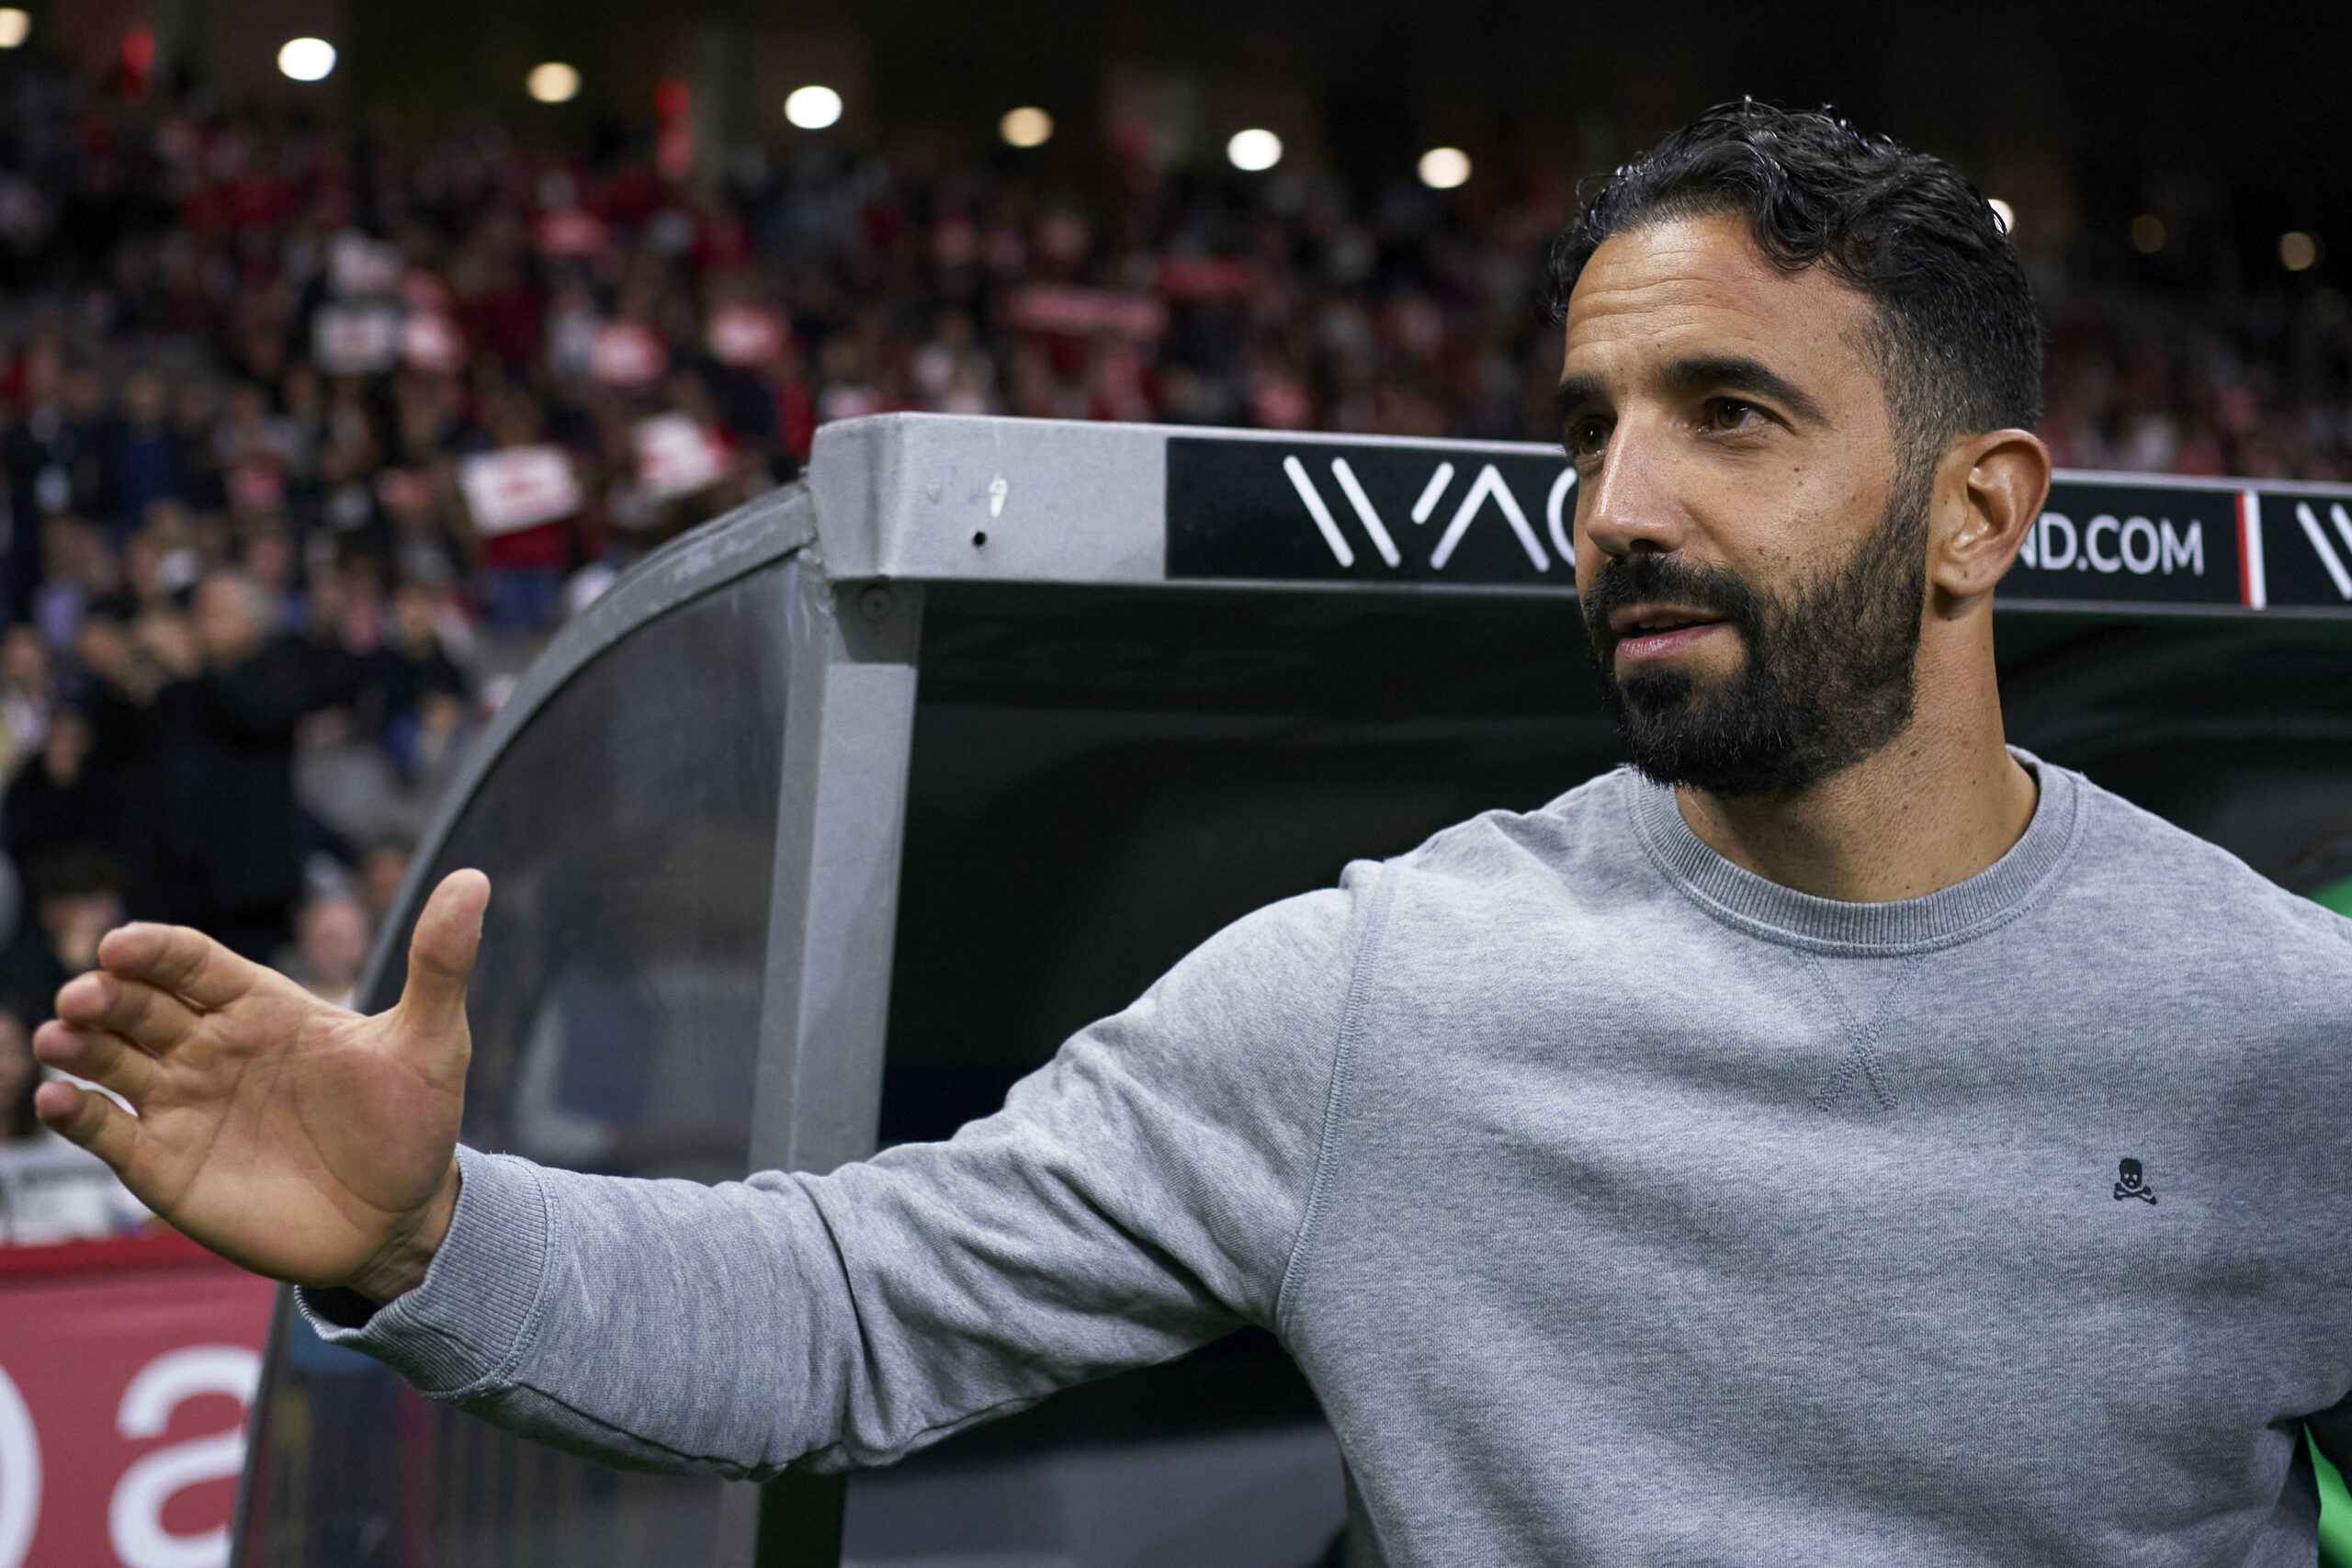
(382, 868)
(76, 898)
(60, 801)
(425, 547)
(526, 565)
(331, 947)
(78, 571)
(89, 445)
(223, 761)
(20, 1076)
(26, 695)
(148, 458)
(422, 691)
(50, 1190)
(200, 483)
(34, 454)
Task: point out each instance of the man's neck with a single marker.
(1922, 814)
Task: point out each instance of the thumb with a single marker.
(441, 955)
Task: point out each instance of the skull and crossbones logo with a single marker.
(2132, 1181)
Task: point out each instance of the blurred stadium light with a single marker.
(306, 59)
(1027, 127)
(813, 108)
(552, 82)
(1444, 168)
(1254, 150)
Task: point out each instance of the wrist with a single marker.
(399, 1265)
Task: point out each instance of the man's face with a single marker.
(415, 615)
(144, 398)
(334, 942)
(225, 621)
(1751, 550)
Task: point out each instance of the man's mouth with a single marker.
(1653, 631)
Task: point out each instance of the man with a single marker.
(330, 938)
(220, 765)
(1843, 1140)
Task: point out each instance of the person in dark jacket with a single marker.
(414, 680)
(64, 797)
(75, 897)
(20, 1076)
(147, 456)
(224, 768)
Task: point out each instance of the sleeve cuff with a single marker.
(479, 1304)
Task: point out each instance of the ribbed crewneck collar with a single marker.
(1764, 909)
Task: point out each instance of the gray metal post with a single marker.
(850, 703)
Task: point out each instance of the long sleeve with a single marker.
(1138, 1196)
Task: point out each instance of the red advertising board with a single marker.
(125, 1368)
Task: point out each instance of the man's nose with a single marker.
(1634, 503)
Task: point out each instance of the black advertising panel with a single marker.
(2306, 553)
(1353, 512)
(1348, 512)
(2148, 542)
(2132, 542)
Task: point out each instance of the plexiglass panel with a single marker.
(628, 831)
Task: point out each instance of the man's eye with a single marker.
(1588, 436)
(1730, 414)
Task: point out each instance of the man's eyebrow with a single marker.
(1573, 394)
(1737, 373)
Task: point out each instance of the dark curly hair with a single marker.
(1960, 341)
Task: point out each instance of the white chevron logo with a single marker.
(2326, 551)
(1488, 486)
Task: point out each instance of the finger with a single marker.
(156, 1020)
(100, 1057)
(185, 963)
(441, 954)
(88, 1118)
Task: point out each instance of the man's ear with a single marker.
(1989, 489)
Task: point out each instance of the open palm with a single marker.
(297, 1138)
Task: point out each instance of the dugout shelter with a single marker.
(835, 816)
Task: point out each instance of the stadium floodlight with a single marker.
(1025, 127)
(552, 82)
(1444, 168)
(2298, 252)
(306, 59)
(2002, 213)
(2147, 233)
(812, 108)
(14, 27)
(1254, 151)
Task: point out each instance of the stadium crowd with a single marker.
(308, 438)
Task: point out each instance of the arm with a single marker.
(1136, 1198)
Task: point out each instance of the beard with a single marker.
(1827, 675)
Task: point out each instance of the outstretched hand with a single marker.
(294, 1137)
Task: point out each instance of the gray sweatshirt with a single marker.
(1622, 1207)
